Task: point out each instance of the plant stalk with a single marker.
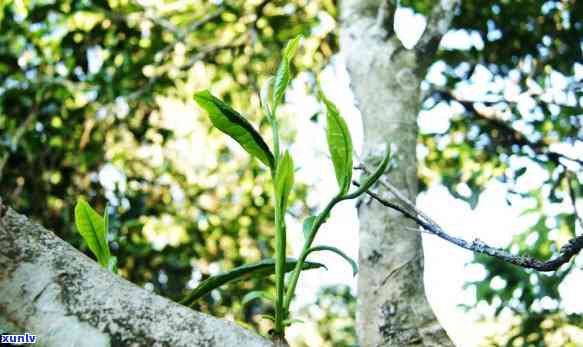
(280, 238)
(305, 250)
(280, 241)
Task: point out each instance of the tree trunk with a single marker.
(49, 289)
(385, 78)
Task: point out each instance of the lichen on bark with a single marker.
(385, 79)
(50, 289)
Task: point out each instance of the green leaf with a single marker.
(339, 252)
(256, 294)
(106, 221)
(283, 75)
(339, 144)
(91, 226)
(265, 95)
(261, 269)
(284, 180)
(308, 224)
(112, 264)
(236, 126)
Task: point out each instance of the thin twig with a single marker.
(478, 246)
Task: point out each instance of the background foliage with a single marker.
(96, 101)
(84, 90)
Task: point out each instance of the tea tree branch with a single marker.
(566, 252)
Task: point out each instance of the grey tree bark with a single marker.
(49, 289)
(385, 79)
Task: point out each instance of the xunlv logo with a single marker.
(19, 339)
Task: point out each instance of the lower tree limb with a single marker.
(50, 289)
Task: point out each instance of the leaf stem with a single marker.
(280, 238)
(305, 250)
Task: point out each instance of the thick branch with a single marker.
(49, 289)
(566, 252)
(438, 24)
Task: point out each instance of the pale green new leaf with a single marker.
(352, 263)
(265, 96)
(339, 144)
(112, 264)
(260, 269)
(283, 74)
(236, 126)
(284, 180)
(91, 226)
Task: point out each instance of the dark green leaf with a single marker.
(236, 126)
(339, 144)
(339, 252)
(91, 226)
(260, 269)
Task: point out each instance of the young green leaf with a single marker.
(236, 126)
(339, 252)
(283, 75)
(284, 181)
(260, 269)
(91, 226)
(339, 144)
(112, 264)
(256, 294)
(265, 96)
(307, 227)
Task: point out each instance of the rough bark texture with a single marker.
(385, 78)
(50, 289)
